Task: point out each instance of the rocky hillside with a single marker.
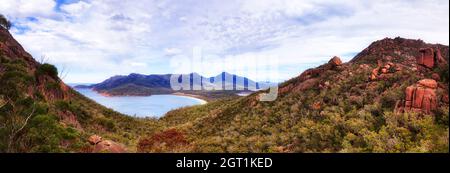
(392, 97)
(39, 113)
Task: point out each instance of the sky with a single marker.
(92, 40)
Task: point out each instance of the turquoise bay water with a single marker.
(142, 106)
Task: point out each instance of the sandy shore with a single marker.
(201, 98)
(104, 94)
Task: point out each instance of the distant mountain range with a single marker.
(142, 85)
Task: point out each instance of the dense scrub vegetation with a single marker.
(27, 123)
(167, 141)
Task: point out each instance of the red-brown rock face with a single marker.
(12, 49)
(100, 145)
(430, 57)
(382, 70)
(439, 57)
(420, 98)
(428, 83)
(445, 99)
(94, 139)
(426, 58)
(336, 61)
(109, 147)
(308, 79)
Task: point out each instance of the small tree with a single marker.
(5, 23)
(47, 69)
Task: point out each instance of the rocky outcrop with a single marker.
(445, 99)
(426, 58)
(309, 78)
(316, 106)
(428, 83)
(311, 73)
(53, 89)
(105, 146)
(420, 98)
(307, 84)
(430, 57)
(439, 58)
(108, 146)
(94, 139)
(69, 119)
(382, 69)
(335, 61)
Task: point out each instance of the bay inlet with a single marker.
(154, 106)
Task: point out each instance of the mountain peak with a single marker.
(398, 49)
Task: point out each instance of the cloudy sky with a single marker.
(95, 39)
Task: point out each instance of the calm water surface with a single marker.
(142, 106)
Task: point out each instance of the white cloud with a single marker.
(172, 51)
(102, 38)
(138, 64)
(27, 8)
(76, 9)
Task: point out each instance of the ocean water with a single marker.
(142, 106)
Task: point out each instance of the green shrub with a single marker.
(443, 73)
(52, 86)
(47, 69)
(62, 105)
(14, 81)
(389, 99)
(442, 115)
(41, 108)
(106, 123)
(46, 134)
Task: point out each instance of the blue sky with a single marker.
(95, 39)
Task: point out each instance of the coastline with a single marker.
(202, 99)
(104, 94)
